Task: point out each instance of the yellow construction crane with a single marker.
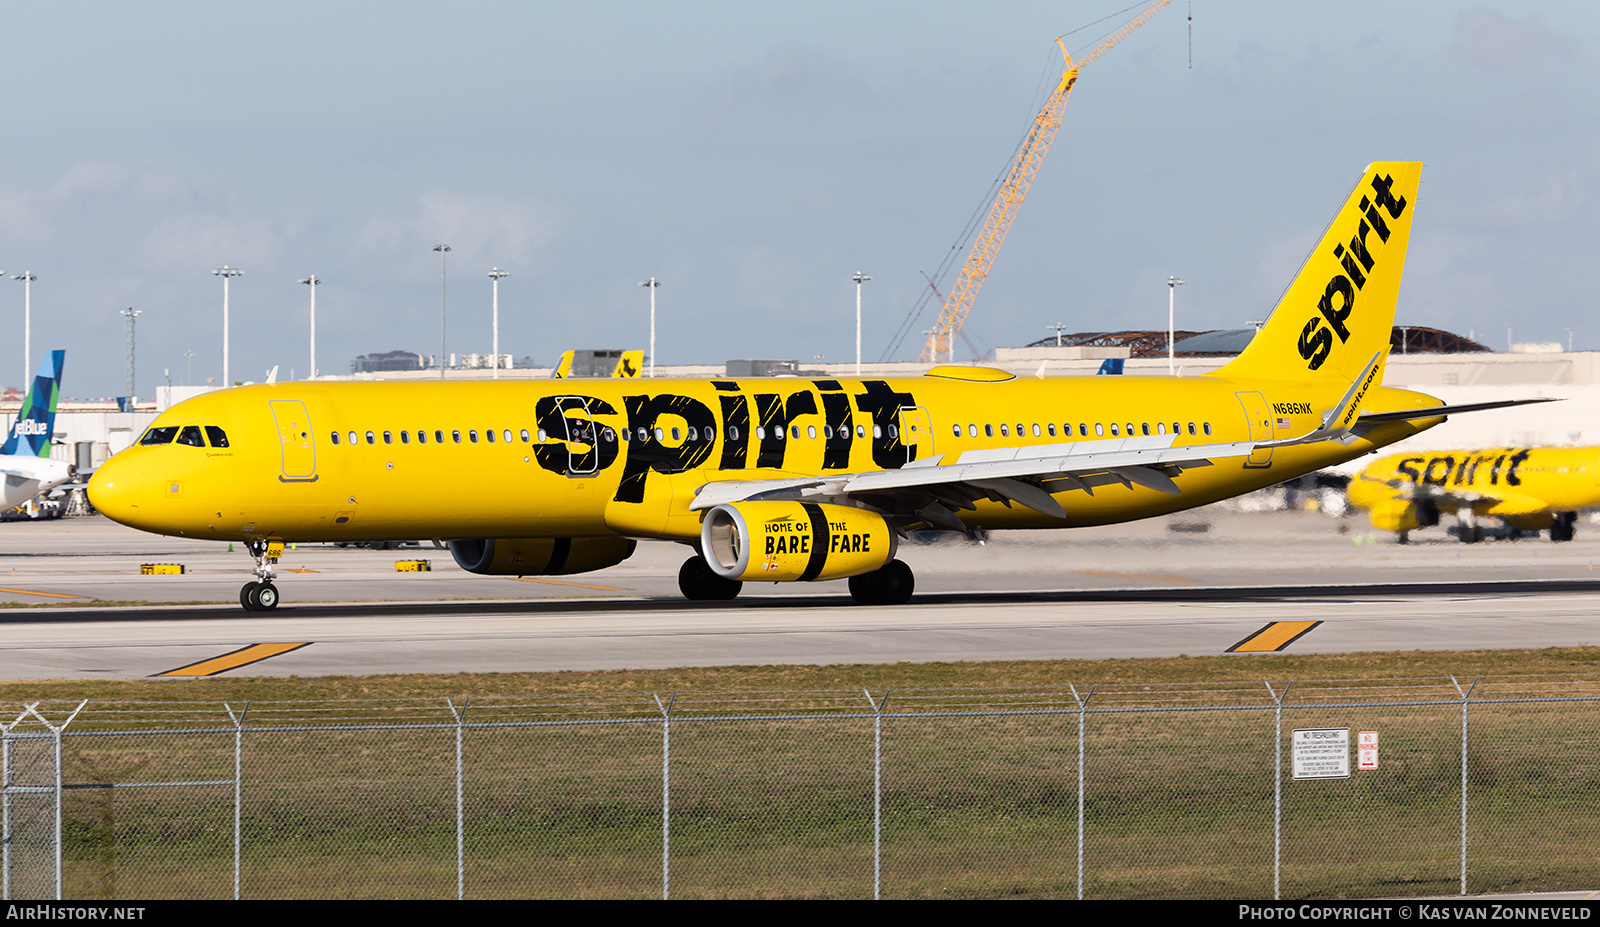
(941, 341)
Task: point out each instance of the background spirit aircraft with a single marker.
(1527, 488)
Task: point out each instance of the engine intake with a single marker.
(540, 556)
(794, 541)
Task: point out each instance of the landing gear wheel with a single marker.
(699, 583)
(259, 597)
(891, 584)
(1563, 527)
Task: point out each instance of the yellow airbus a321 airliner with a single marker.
(1527, 488)
(783, 480)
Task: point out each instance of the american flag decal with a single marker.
(1283, 423)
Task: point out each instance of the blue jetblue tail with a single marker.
(30, 436)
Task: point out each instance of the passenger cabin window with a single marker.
(956, 430)
(388, 437)
(159, 435)
(335, 436)
(438, 436)
(490, 435)
(1100, 429)
(372, 438)
(473, 435)
(1052, 429)
(219, 438)
(455, 436)
(422, 436)
(191, 436)
(1114, 429)
(405, 437)
(1207, 427)
(354, 439)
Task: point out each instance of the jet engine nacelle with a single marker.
(787, 541)
(540, 556)
(1404, 515)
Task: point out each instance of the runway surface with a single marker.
(1202, 583)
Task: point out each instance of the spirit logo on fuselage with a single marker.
(1339, 296)
(670, 433)
(1445, 469)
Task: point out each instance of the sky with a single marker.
(753, 157)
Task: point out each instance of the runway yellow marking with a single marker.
(557, 582)
(1273, 637)
(244, 656)
(299, 570)
(53, 595)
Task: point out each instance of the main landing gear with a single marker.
(891, 584)
(262, 596)
(699, 583)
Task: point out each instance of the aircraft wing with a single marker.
(1498, 502)
(1024, 475)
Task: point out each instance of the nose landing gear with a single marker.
(262, 596)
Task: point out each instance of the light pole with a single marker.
(859, 278)
(443, 250)
(652, 283)
(1058, 328)
(225, 272)
(188, 377)
(27, 279)
(1172, 288)
(131, 314)
(312, 282)
(495, 275)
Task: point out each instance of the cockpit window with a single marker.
(191, 436)
(219, 438)
(159, 435)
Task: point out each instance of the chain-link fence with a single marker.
(1489, 784)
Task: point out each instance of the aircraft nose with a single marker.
(116, 490)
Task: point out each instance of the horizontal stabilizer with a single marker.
(1412, 415)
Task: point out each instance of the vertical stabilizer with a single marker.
(30, 435)
(1337, 315)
